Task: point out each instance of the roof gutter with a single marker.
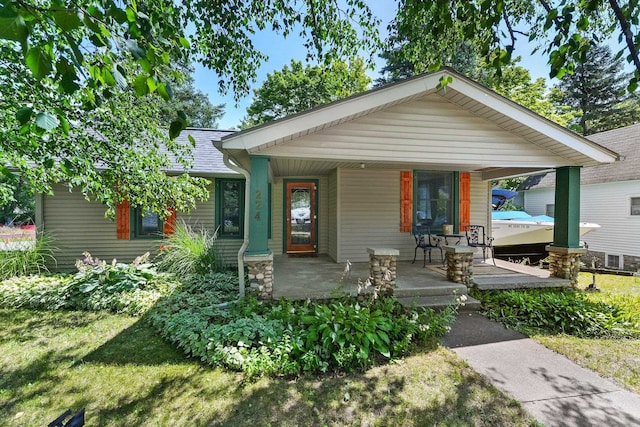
(245, 243)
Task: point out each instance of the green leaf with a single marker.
(165, 91)
(46, 121)
(67, 20)
(185, 43)
(140, 85)
(135, 49)
(39, 62)
(67, 167)
(24, 115)
(151, 83)
(175, 128)
(12, 26)
(68, 83)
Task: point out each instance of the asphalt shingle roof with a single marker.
(624, 141)
(207, 159)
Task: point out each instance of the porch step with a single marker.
(518, 281)
(439, 302)
(431, 290)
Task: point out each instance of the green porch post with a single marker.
(259, 206)
(566, 232)
(565, 253)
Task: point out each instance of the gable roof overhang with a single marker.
(417, 124)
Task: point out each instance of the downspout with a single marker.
(245, 243)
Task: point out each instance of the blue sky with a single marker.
(282, 51)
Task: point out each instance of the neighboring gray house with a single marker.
(78, 226)
(610, 196)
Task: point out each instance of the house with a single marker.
(350, 179)
(610, 196)
(78, 226)
(369, 167)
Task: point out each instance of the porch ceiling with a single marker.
(414, 126)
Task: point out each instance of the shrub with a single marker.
(286, 337)
(188, 251)
(123, 288)
(557, 311)
(35, 292)
(31, 260)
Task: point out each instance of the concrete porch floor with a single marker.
(320, 278)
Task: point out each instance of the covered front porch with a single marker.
(363, 172)
(322, 278)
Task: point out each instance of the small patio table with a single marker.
(446, 237)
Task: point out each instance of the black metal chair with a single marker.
(477, 238)
(426, 242)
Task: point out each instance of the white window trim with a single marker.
(630, 199)
(620, 258)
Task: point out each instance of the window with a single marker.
(434, 199)
(635, 206)
(146, 224)
(230, 207)
(550, 210)
(613, 261)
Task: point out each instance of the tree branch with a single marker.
(626, 30)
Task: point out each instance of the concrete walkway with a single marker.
(553, 389)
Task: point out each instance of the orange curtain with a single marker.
(170, 223)
(123, 220)
(465, 200)
(406, 201)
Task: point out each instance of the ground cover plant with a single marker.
(290, 338)
(567, 311)
(199, 315)
(124, 373)
(609, 345)
(122, 288)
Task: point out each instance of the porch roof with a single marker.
(416, 125)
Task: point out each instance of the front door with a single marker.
(300, 214)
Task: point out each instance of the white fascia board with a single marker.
(321, 116)
(532, 120)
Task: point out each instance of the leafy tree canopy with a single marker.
(596, 92)
(75, 77)
(297, 88)
(412, 49)
(195, 104)
(563, 29)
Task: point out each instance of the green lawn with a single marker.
(118, 368)
(618, 359)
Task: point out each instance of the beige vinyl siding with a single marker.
(78, 226)
(480, 202)
(277, 222)
(333, 208)
(430, 130)
(369, 214)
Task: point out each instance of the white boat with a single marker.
(519, 228)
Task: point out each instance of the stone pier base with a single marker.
(383, 269)
(564, 263)
(459, 264)
(260, 272)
